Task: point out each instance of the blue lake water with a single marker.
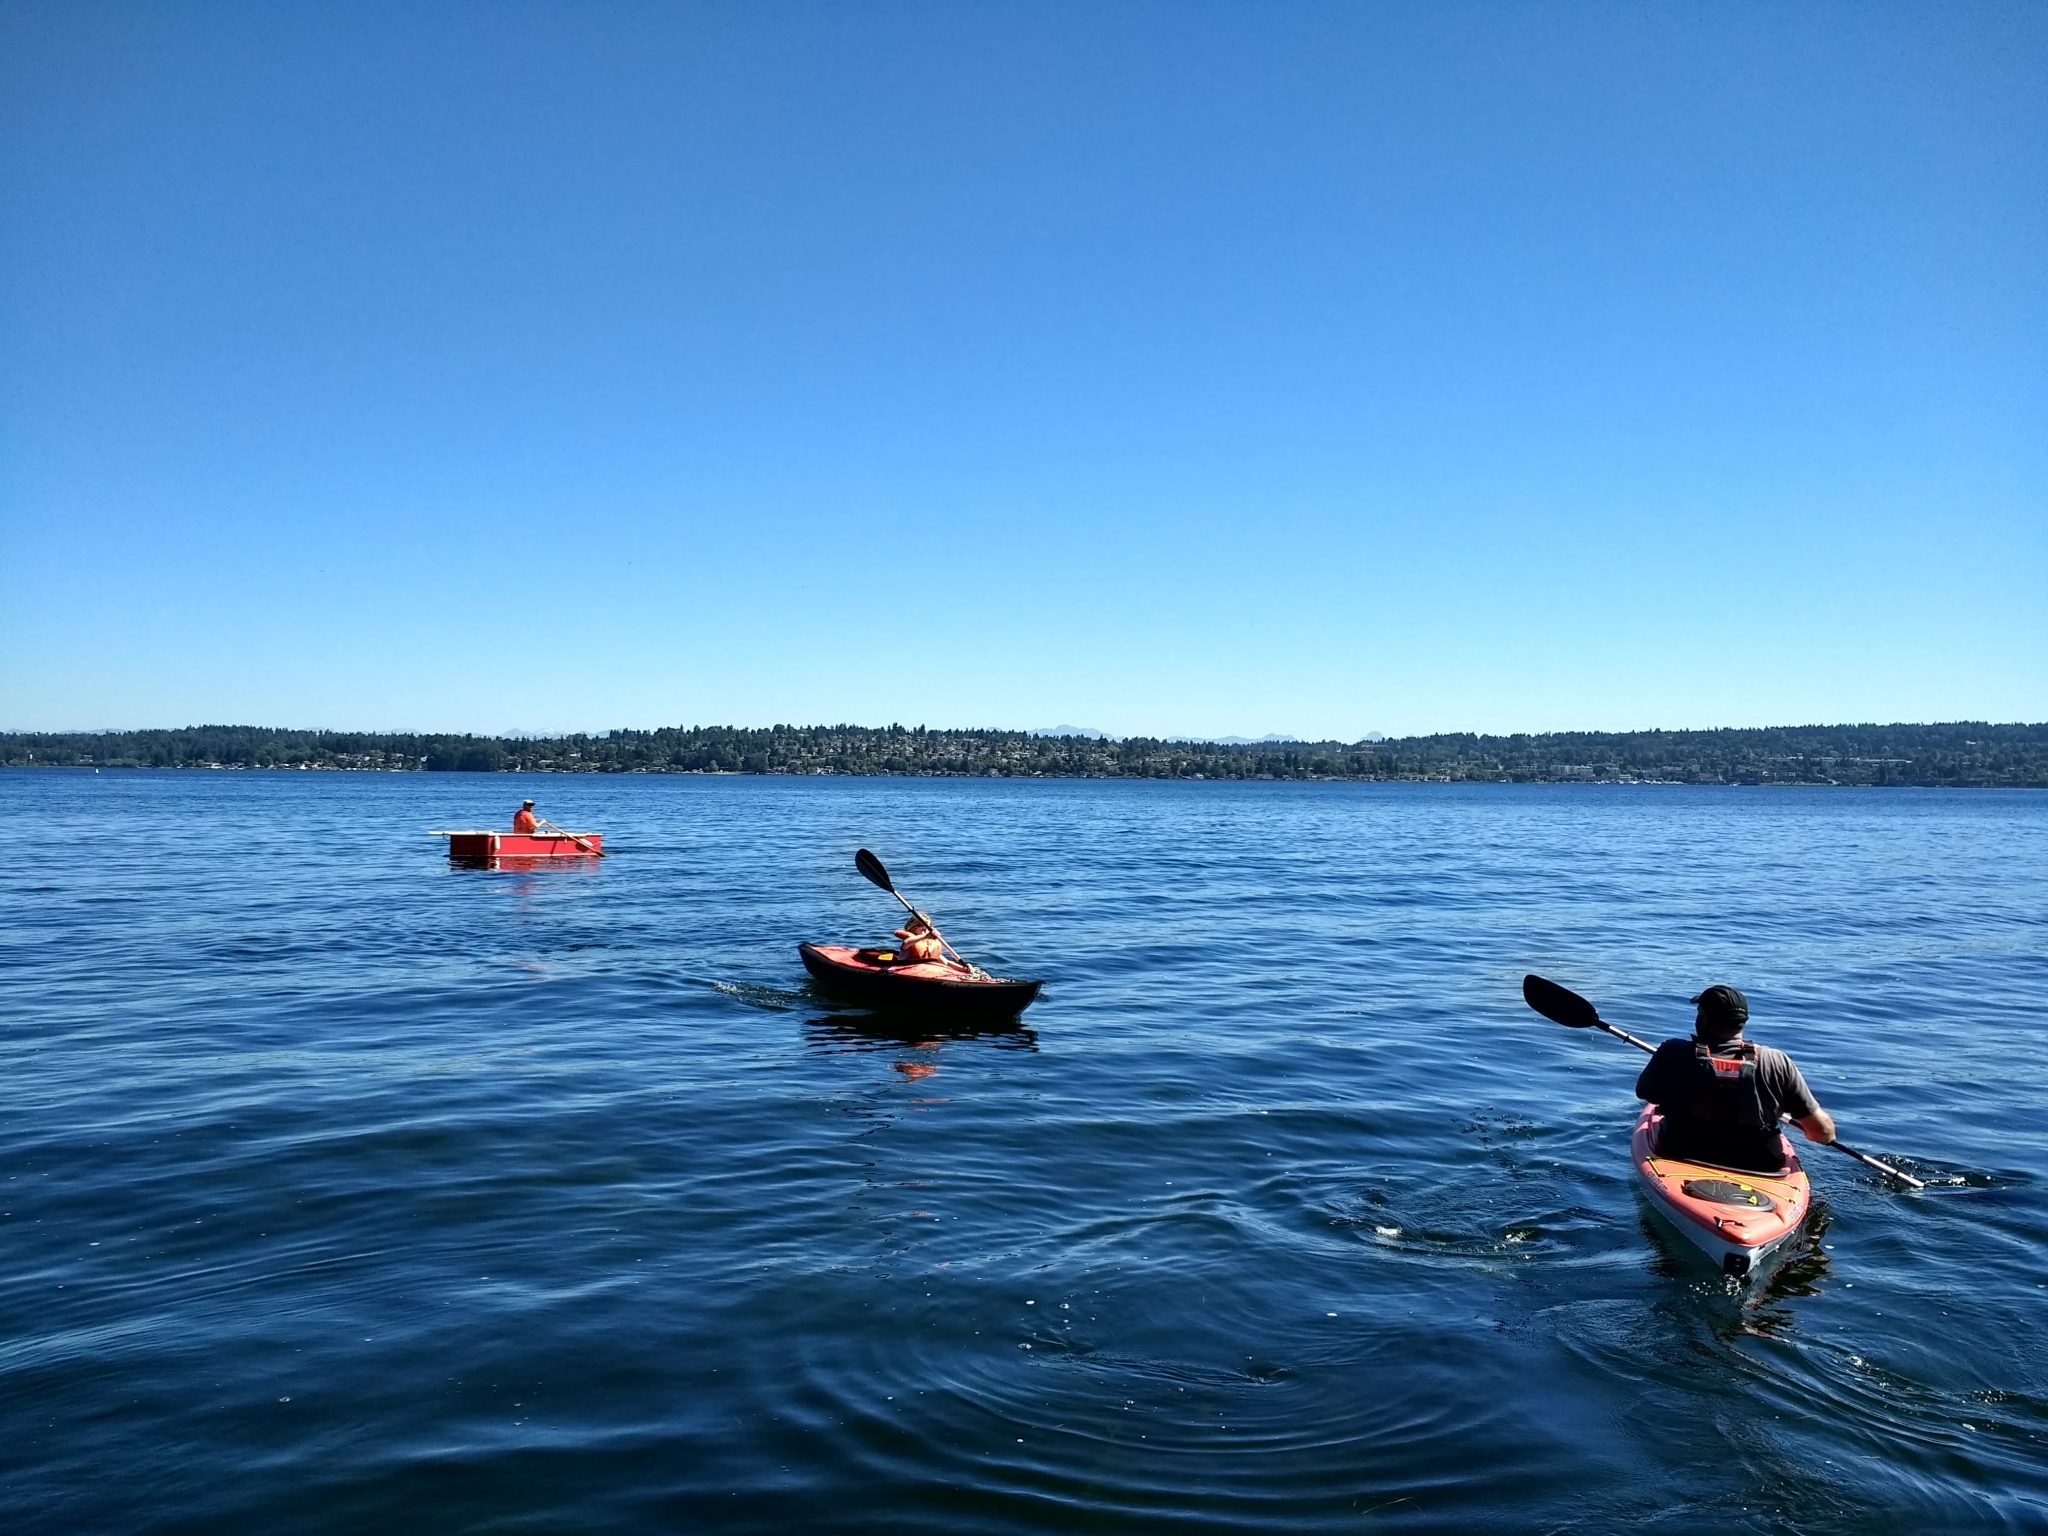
(348, 1191)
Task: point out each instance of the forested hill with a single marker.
(1960, 754)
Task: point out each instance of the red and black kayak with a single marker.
(877, 978)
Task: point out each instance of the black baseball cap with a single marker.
(1723, 1011)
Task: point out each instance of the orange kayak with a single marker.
(1737, 1218)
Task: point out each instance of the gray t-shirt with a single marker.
(1778, 1081)
(1778, 1078)
(1670, 1079)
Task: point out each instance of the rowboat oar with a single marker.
(871, 866)
(583, 843)
(1563, 1006)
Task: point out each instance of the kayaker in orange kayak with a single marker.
(1722, 1095)
(523, 819)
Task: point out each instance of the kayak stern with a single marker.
(1738, 1218)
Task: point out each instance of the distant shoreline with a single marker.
(1044, 778)
(1961, 755)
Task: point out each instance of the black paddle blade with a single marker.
(1560, 1005)
(871, 866)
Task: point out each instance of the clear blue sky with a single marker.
(1180, 368)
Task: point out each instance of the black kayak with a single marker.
(877, 978)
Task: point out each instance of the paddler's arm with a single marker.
(1654, 1084)
(940, 954)
(1800, 1106)
(1818, 1126)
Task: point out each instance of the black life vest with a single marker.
(1721, 1089)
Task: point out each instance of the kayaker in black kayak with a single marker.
(1722, 1095)
(920, 940)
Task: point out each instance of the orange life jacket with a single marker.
(524, 820)
(925, 946)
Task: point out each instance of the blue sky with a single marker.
(1185, 368)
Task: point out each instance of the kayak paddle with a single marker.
(1563, 1006)
(871, 866)
(587, 847)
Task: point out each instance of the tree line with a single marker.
(1964, 753)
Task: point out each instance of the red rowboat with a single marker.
(523, 845)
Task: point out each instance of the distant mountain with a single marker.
(1198, 741)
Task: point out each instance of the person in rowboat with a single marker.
(523, 819)
(1721, 1095)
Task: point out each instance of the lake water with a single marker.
(346, 1191)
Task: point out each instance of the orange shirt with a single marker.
(524, 820)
